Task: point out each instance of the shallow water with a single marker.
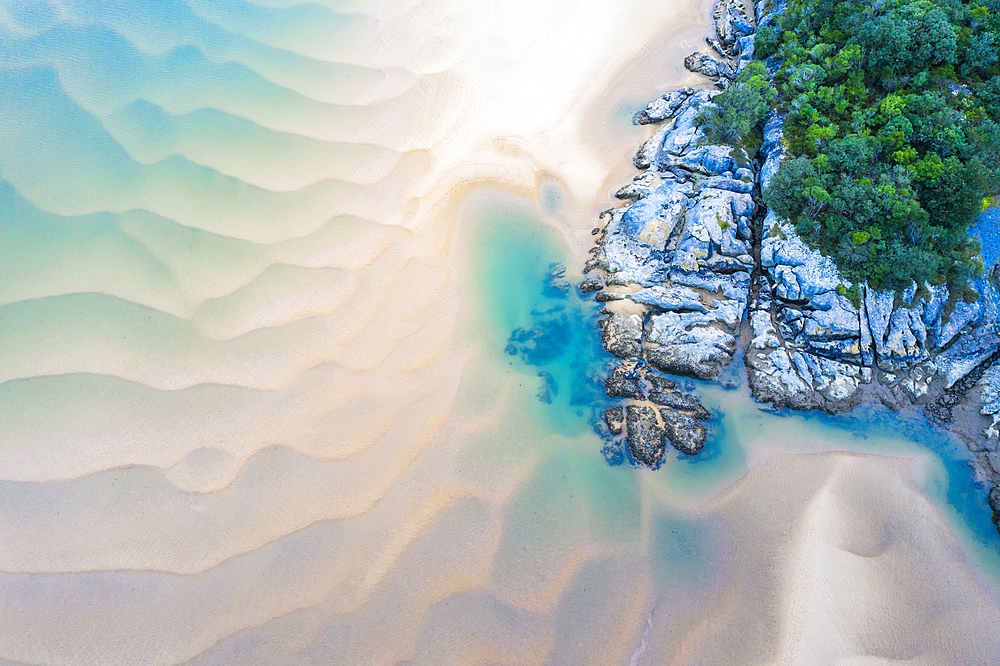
(285, 377)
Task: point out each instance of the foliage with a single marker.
(892, 123)
(738, 114)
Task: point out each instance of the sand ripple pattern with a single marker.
(237, 422)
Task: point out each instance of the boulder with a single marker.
(702, 63)
(664, 107)
(685, 433)
(621, 334)
(621, 384)
(673, 299)
(644, 435)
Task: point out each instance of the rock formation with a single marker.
(694, 269)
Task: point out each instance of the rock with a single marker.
(591, 284)
(731, 23)
(994, 499)
(963, 315)
(658, 383)
(649, 151)
(641, 187)
(727, 183)
(835, 319)
(556, 283)
(773, 148)
(967, 353)
(621, 334)
(694, 353)
(836, 381)
(668, 397)
(775, 379)
(645, 436)
(848, 350)
(711, 228)
(765, 335)
(707, 160)
(904, 344)
(621, 384)
(609, 296)
(733, 286)
(615, 418)
(674, 299)
(684, 133)
(878, 308)
(665, 107)
(628, 258)
(652, 220)
(798, 273)
(702, 63)
(685, 433)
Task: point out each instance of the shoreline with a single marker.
(694, 271)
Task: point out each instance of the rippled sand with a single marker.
(254, 407)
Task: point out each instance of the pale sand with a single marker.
(251, 414)
(834, 558)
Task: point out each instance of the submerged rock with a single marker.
(615, 418)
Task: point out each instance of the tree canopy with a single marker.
(892, 123)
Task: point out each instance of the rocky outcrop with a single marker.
(655, 416)
(693, 269)
(702, 63)
(733, 38)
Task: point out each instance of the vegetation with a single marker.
(738, 117)
(892, 126)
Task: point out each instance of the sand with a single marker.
(254, 409)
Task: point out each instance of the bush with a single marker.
(739, 112)
(893, 129)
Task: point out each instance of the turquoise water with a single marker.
(538, 316)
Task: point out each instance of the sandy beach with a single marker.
(259, 266)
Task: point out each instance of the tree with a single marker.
(739, 112)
